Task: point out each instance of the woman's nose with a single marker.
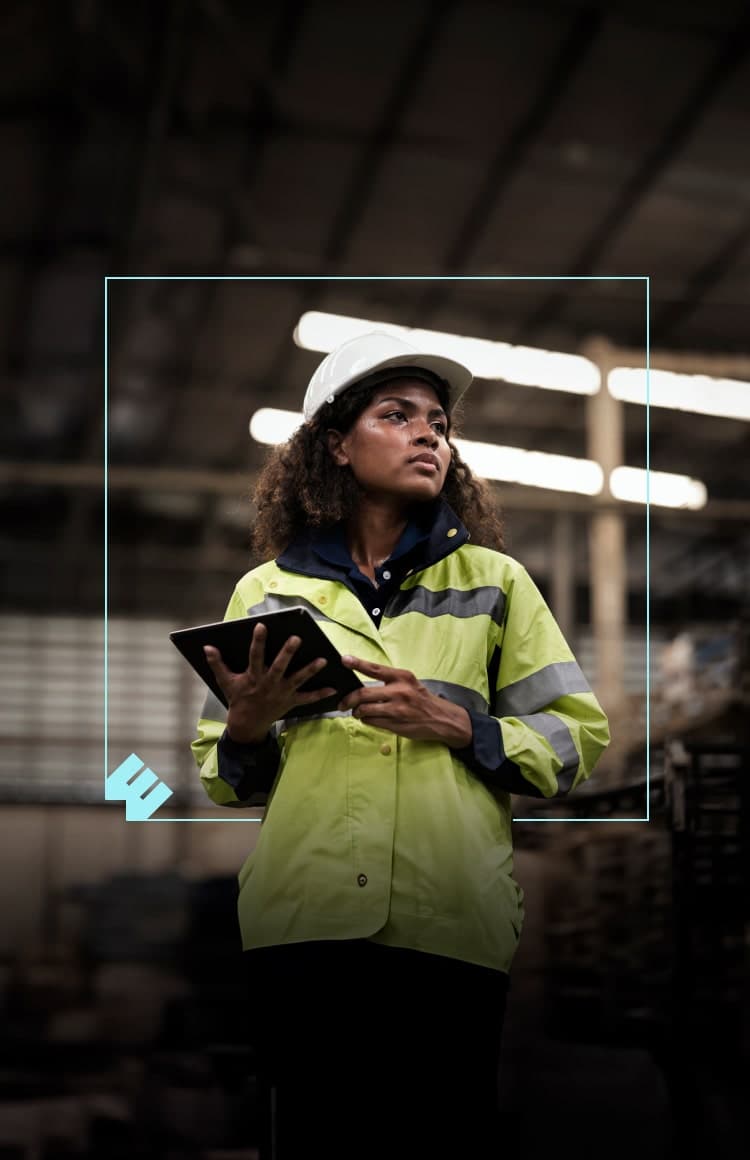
(426, 435)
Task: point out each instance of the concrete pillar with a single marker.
(562, 593)
(608, 564)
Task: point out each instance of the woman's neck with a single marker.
(373, 533)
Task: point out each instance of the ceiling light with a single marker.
(634, 485)
(486, 359)
(532, 468)
(488, 460)
(703, 394)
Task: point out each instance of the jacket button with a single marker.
(362, 880)
(385, 749)
(322, 600)
(452, 532)
(273, 584)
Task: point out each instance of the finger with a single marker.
(284, 655)
(370, 669)
(368, 693)
(318, 695)
(216, 664)
(257, 649)
(301, 675)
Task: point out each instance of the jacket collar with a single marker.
(430, 535)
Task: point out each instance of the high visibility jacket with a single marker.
(368, 834)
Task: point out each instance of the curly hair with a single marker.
(301, 486)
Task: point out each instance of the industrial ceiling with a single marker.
(366, 157)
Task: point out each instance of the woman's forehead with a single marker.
(408, 388)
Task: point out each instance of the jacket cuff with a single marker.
(249, 769)
(485, 757)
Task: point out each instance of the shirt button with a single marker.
(385, 749)
(386, 575)
(452, 532)
(362, 880)
(376, 612)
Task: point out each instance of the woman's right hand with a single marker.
(261, 695)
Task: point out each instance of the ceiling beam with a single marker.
(724, 63)
(86, 476)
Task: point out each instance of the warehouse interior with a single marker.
(185, 183)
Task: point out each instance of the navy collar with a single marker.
(429, 536)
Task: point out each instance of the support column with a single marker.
(608, 564)
(562, 593)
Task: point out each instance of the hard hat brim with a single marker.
(457, 377)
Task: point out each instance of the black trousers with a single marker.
(365, 1051)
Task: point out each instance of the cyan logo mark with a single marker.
(123, 785)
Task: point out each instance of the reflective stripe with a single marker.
(485, 601)
(213, 710)
(458, 694)
(539, 689)
(559, 737)
(273, 603)
(289, 722)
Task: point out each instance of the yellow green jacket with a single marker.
(368, 834)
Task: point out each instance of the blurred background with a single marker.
(547, 180)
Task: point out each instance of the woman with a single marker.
(379, 913)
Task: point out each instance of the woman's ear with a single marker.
(335, 446)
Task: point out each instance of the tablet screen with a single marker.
(232, 638)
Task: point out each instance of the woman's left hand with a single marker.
(403, 705)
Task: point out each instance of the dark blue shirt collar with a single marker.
(430, 534)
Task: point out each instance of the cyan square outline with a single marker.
(645, 278)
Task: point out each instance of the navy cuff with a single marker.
(249, 769)
(485, 757)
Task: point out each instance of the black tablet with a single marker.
(232, 638)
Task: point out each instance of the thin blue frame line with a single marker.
(376, 277)
(139, 821)
(106, 536)
(648, 547)
(388, 278)
(578, 819)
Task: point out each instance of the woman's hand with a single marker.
(261, 695)
(403, 705)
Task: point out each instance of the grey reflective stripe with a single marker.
(486, 601)
(559, 737)
(213, 710)
(458, 694)
(274, 603)
(289, 722)
(540, 689)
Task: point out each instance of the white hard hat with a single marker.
(369, 353)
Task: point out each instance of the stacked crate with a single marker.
(709, 799)
(607, 931)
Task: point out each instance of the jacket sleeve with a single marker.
(546, 730)
(232, 774)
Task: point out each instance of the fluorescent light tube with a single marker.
(486, 359)
(728, 398)
(664, 489)
(488, 460)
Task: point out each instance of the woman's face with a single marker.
(403, 419)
